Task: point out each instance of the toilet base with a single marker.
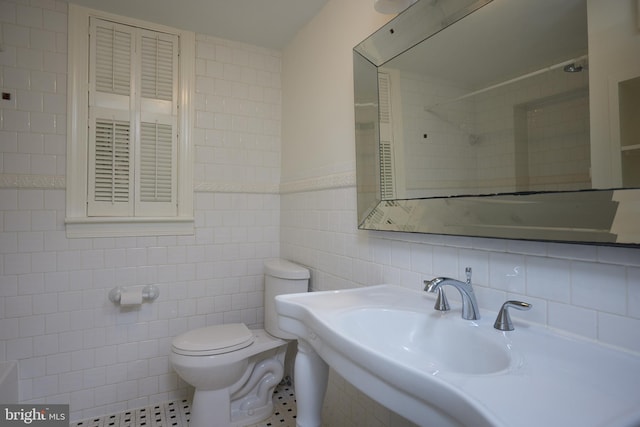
(258, 405)
(203, 416)
(257, 415)
(215, 408)
(250, 399)
(201, 413)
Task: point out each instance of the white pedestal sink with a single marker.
(437, 369)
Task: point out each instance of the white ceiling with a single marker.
(267, 23)
(475, 53)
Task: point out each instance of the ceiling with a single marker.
(501, 41)
(267, 23)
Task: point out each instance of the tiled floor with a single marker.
(176, 414)
(284, 408)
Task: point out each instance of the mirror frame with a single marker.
(605, 217)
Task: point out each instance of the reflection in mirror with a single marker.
(468, 98)
(629, 106)
(471, 112)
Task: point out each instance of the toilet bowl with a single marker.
(234, 369)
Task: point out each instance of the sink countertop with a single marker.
(553, 380)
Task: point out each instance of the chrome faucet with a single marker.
(469, 304)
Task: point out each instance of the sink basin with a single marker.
(429, 340)
(438, 369)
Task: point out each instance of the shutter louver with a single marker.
(157, 79)
(387, 188)
(156, 162)
(386, 171)
(113, 60)
(112, 161)
(384, 99)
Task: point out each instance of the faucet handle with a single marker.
(503, 321)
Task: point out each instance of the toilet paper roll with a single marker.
(131, 296)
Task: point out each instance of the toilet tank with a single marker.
(281, 277)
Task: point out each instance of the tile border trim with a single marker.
(33, 181)
(59, 182)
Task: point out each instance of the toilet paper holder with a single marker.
(149, 293)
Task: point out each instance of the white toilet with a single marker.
(234, 369)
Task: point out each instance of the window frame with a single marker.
(77, 221)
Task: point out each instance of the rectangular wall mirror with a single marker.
(499, 118)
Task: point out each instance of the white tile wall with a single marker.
(556, 137)
(447, 142)
(238, 117)
(73, 345)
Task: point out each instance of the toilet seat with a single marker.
(212, 340)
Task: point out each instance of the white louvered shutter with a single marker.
(132, 121)
(111, 125)
(157, 151)
(111, 166)
(112, 58)
(387, 187)
(158, 74)
(157, 169)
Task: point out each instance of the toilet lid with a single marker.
(215, 339)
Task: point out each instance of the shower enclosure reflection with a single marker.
(529, 135)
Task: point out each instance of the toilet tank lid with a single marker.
(284, 269)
